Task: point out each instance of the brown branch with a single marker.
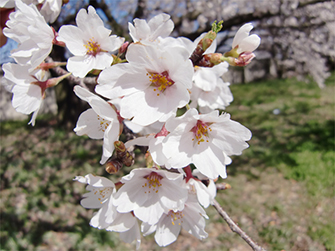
(235, 228)
(141, 8)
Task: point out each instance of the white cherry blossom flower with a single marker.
(99, 122)
(243, 42)
(191, 218)
(51, 9)
(101, 196)
(218, 98)
(159, 26)
(35, 37)
(205, 194)
(28, 89)
(206, 140)
(90, 43)
(153, 84)
(149, 193)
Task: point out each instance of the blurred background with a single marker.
(282, 191)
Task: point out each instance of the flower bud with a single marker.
(128, 159)
(123, 48)
(113, 166)
(120, 149)
(205, 43)
(244, 59)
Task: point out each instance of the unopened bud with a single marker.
(128, 159)
(244, 59)
(120, 149)
(211, 59)
(123, 48)
(205, 43)
(113, 166)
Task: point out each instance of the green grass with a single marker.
(282, 185)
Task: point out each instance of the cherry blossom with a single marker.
(153, 84)
(159, 26)
(35, 37)
(100, 196)
(149, 193)
(99, 122)
(191, 218)
(206, 140)
(51, 9)
(243, 42)
(90, 43)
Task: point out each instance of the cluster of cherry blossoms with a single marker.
(168, 91)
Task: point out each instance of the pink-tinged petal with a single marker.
(72, 36)
(242, 33)
(249, 44)
(88, 124)
(166, 232)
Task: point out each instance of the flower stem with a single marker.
(235, 228)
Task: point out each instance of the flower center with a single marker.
(176, 217)
(103, 124)
(153, 182)
(92, 47)
(103, 193)
(160, 81)
(200, 131)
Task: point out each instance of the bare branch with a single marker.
(235, 228)
(141, 7)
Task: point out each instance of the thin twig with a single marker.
(235, 228)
